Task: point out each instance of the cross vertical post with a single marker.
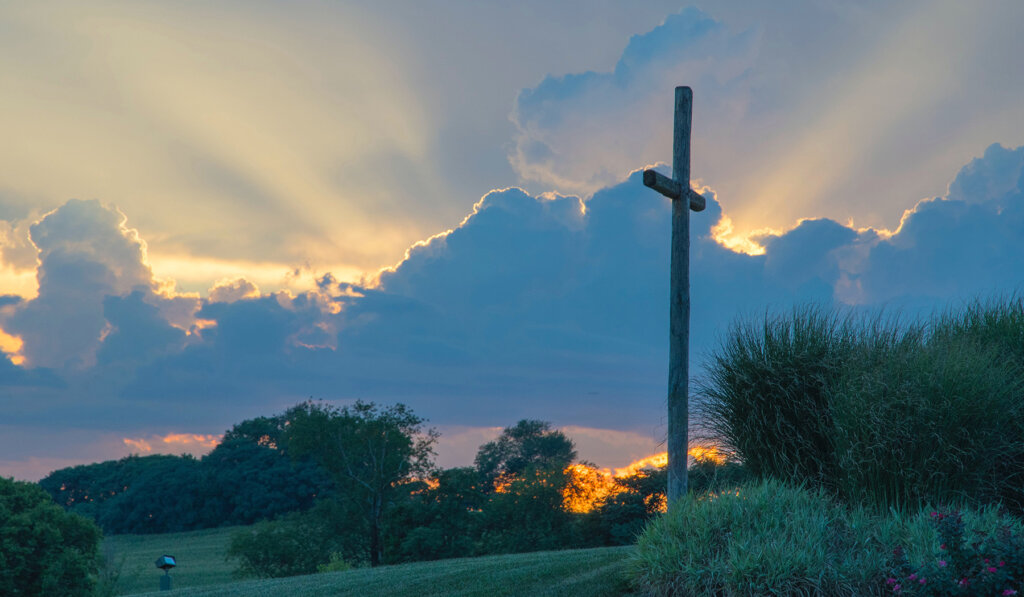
(684, 199)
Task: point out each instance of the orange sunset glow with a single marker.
(590, 486)
(187, 442)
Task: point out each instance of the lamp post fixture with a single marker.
(165, 563)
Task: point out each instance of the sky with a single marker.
(213, 211)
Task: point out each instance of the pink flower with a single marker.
(912, 577)
(942, 563)
(1001, 563)
(964, 582)
(986, 560)
(1009, 592)
(990, 569)
(896, 589)
(922, 581)
(943, 546)
(890, 581)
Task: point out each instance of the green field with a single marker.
(202, 571)
(200, 557)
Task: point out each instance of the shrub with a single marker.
(295, 544)
(972, 553)
(766, 394)
(876, 411)
(43, 549)
(933, 422)
(765, 538)
(337, 563)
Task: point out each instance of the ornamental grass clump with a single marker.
(934, 423)
(762, 539)
(876, 411)
(766, 393)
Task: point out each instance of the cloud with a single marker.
(17, 250)
(799, 112)
(229, 291)
(968, 243)
(546, 307)
(196, 444)
(581, 132)
(86, 254)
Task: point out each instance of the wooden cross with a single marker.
(684, 199)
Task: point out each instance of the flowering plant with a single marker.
(991, 564)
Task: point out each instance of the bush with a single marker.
(766, 395)
(337, 563)
(296, 544)
(770, 538)
(43, 549)
(765, 538)
(934, 422)
(974, 553)
(875, 411)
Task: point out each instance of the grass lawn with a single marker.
(202, 571)
(200, 556)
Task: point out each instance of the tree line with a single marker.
(357, 485)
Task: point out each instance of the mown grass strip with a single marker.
(597, 572)
(200, 557)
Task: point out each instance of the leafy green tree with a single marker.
(247, 477)
(623, 516)
(248, 480)
(369, 451)
(528, 514)
(261, 431)
(44, 550)
(527, 445)
(137, 494)
(443, 520)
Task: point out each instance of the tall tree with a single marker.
(369, 451)
(43, 549)
(528, 444)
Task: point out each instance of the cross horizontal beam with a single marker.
(672, 189)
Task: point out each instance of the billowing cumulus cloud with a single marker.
(545, 307)
(86, 254)
(785, 128)
(581, 132)
(970, 242)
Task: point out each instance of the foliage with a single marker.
(296, 544)
(246, 478)
(765, 538)
(707, 475)
(337, 563)
(876, 411)
(250, 481)
(441, 521)
(766, 394)
(622, 517)
(529, 444)
(368, 450)
(43, 549)
(992, 563)
(929, 422)
(528, 514)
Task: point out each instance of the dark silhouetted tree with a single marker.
(527, 445)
